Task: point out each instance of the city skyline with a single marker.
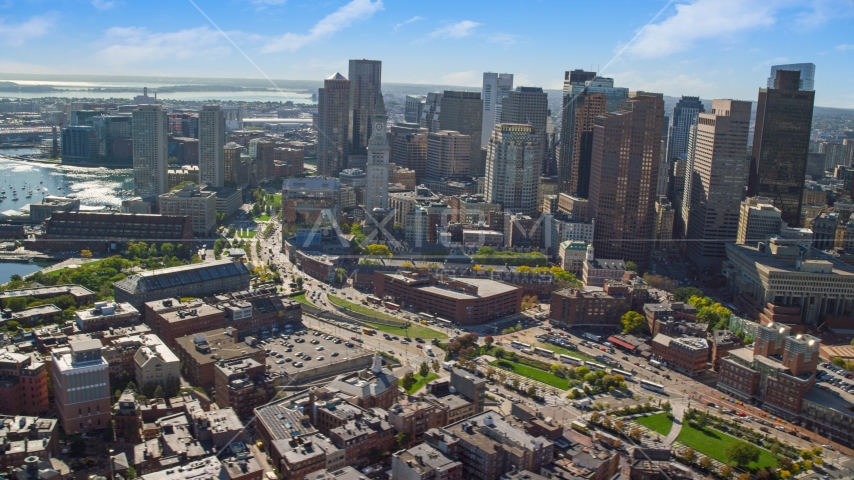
(663, 47)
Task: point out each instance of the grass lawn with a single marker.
(421, 381)
(532, 373)
(247, 234)
(658, 423)
(713, 443)
(301, 298)
(565, 351)
(262, 218)
(414, 330)
(70, 270)
(277, 198)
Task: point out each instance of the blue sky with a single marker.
(711, 48)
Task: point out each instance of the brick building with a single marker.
(193, 317)
(688, 355)
(466, 301)
(236, 386)
(199, 354)
(23, 385)
(106, 315)
(109, 232)
(81, 386)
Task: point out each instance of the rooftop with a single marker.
(182, 275)
(73, 290)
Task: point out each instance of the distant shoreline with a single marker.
(42, 161)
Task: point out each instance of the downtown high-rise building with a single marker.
(211, 141)
(332, 123)
(235, 172)
(807, 70)
(579, 111)
(150, 152)
(448, 155)
(512, 170)
(605, 85)
(715, 176)
(365, 86)
(682, 121)
(463, 112)
(376, 173)
(781, 139)
(408, 143)
(623, 172)
(529, 105)
(431, 112)
(413, 108)
(495, 88)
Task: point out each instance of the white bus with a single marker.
(570, 360)
(426, 316)
(595, 366)
(655, 387)
(519, 345)
(655, 363)
(543, 352)
(625, 374)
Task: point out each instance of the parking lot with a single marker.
(305, 350)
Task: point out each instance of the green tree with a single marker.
(377, 250)
(158, 392)
(402, 440)
(424, 370)
(167, 249)
(689, 455)
(682, 294)
(532, 391)
(408, 381)
(706, 463)
(130, 474)
(12, 326)
(17, 303)
(632, 267)
(742, 453)
(634, 322)
(726, 471)
(838, 362)
(436, 366)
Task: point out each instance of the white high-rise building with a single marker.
(376, 178)
(211, 142)
(150, 153)
(495, 88)
(513, 168)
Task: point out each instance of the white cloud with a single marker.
(502, 38)
(129, 45)
(843, 48)
(822, 11)
(340, 19)
(103, 4)
(407, 22)
(467, 78)
(703, 20)
(456, 30)
(16, 34)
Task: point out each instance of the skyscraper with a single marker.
(448, 154)
(683, 119)
(495, 88)
(431, 112)
(365, 85)
(623, 172)
(332, 123)
(807, 81)
(579, 111)
(376, 178)
(211, 140)
(234, 171)
(413, 108)
(408, 143)
(605, 85)
(781, 145)
(577, 77)
(150, 153)
(529, 105)
(463, 112)
(714, 181)
(512, 170)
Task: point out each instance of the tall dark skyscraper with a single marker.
(579, 111)
(684, 117)
(463, 112)
(781, 144)
(529, 105)
(623, 172)
(365, 85)
(332, 125)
